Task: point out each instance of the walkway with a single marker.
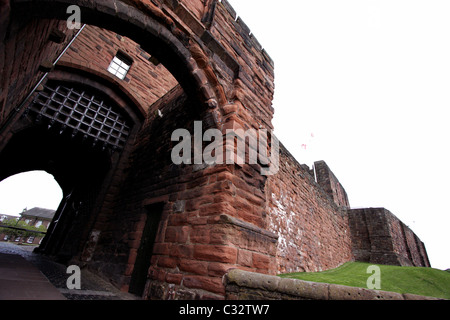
(28, 276)
(20, 280)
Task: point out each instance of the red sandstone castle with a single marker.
(96, 108)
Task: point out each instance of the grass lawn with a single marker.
(422, 281)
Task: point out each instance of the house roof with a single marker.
(8, 217)
(39, 213)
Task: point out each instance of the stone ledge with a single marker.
(227, 219)
(241, 284)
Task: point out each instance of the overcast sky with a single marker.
(29, 190)
(365, 86)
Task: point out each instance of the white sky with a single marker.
(29, 190)
(370, 80)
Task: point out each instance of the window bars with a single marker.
(83, 113)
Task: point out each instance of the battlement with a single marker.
(328, 181)
(378, 236)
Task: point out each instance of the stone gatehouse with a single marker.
(97, 106)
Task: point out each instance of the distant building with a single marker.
(5, 217)
(35, 217)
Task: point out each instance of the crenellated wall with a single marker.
(330, 184)
(380, 237)
(313, 230)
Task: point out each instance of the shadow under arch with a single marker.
(84, 171)
(105, 87)
(77, 168)
(157, 35)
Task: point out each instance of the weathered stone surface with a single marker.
(306, 219)
(242, 284)
(410, 296)
(380, 237)
(308, 290)
(337, 292)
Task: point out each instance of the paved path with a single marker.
(20, 280)
(25, 275)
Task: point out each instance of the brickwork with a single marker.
(94, 50)
(254, 86)
(330, 184)
(202, 233)
(380, 237)
(313, 231)
(21, 57)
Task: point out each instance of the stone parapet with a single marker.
(244, 285)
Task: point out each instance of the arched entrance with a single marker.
(203, 209)
(62, 122)
(28, 200)
(146, 24)
(76, 134)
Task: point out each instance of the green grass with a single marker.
(422, 281)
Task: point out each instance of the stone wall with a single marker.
(317, 230)
(380, 237)
(205, 227)
(93, 51)
(254, 86)
(312, 229)
(24, 59)
(330, 184)
(213, 218)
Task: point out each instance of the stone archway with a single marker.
(180, 52)
(212, 218)
(79, 135)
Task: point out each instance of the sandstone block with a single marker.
(304, 289)
(215, 253)
(206, 283)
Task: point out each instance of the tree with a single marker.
(20, 229)
(8, 231)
